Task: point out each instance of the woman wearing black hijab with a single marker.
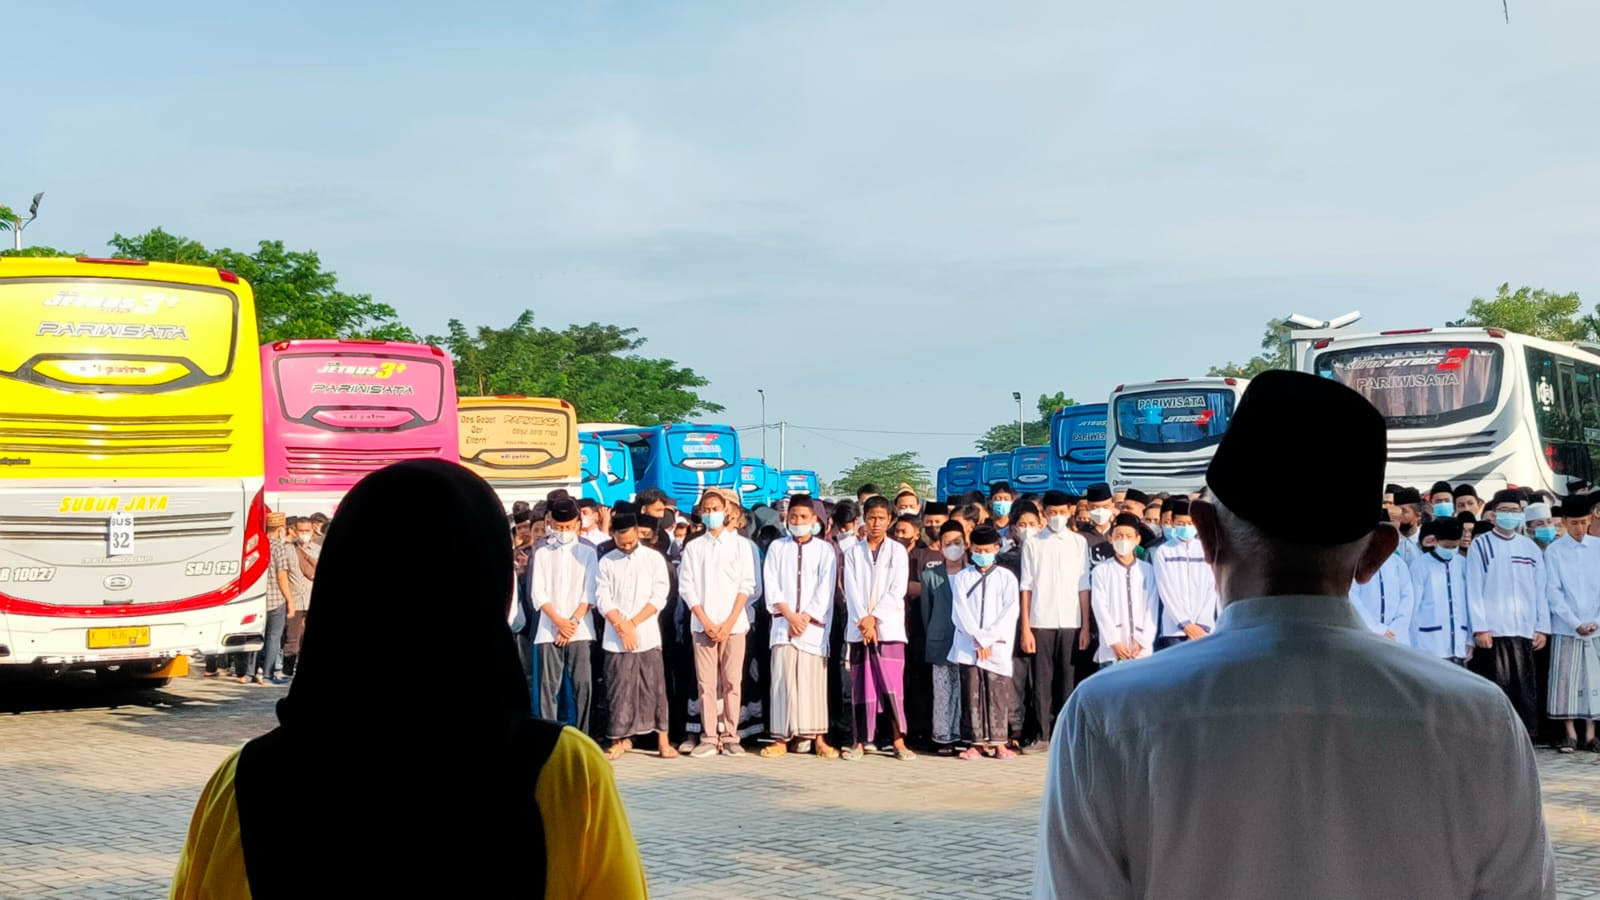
(431, 787)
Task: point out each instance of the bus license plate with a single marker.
(119, 535)
(112, 638)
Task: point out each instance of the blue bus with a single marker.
(962, 475)
(996, 468)
(941, 486)
(758, 484)
(607, 470)
(681, 460)
(1078, 445)
(800, 481)
(1032, 471)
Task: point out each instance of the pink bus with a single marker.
(338, 409)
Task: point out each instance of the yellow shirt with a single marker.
(585, 825)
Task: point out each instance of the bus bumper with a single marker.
(67, 644)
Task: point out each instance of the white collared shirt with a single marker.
(1440, 623)
(1123, 599)
(876, 588)
(1386, 601)
(716, 569)
(801, 577)
(1055, 567)
(1573, 585)
(1337, 760)
(985, 608)
(627, 583)
(1186, 586)
(1506, 586)
(564, 578)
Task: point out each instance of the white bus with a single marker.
(1482, 406)
(1162, 434)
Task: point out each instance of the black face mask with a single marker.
(1083, 525)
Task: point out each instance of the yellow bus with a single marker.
(132, 530)
(525, 447)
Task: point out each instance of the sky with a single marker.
(889, 216)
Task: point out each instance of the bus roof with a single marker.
(1160, 384)
(96, 267)
(353, 345)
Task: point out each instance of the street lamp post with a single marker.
(763, 393)
(21, 223)
(1022, 439)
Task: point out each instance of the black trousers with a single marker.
(1053, 674)
(573, 662)
(1509, 663)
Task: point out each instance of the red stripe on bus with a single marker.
(18, 606)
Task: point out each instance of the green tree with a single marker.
(1277, 353)
(1531, 311)
(295, 296)
(40, 252)
(887, 474)
(8, 219)
(594, 367)
(1036, 432)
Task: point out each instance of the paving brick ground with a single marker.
(96, 798)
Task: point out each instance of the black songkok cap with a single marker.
(985, 534)
(1178, 506)
(521, 516)
(1128, 519)
(624, 521)
(1407, 496)
(935, 508)
(1290, 423)
(1463, 490)
(642, 520)
(1388, 488)
(625, 506)
(1057, 498)
(1465, 517)
(1577, 506)
(563, 509)
(1442, 529)
(1138, 496)
(1098, 493)
(950, 526)
(1509, 495)
(1440, 487)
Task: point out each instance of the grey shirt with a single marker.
(299, 584)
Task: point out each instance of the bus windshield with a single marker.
(702, 450)
(1173, 419)
(519, 437)
(360, 392)
(1421, 385)
(1082, 438)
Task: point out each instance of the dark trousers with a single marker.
(1509, 664)
(1023, 699)
(272, 651)
(292, 633)
(528, 656)
(571, 662)
(1053, 674)
(1163, 643)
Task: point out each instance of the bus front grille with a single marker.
(35, 433)
(312, 461)
(1195, 469)
(85, 528)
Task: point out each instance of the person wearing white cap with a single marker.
(1541, 524)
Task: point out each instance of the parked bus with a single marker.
(1032, 469)
(800, 481)
(962, 474)
(758, 483)
(607, 470)
(941, 485)
(1166, 431)
(1482, 406)
(1078, 446)
(132, 520)
(682, 460)
(525, 447)
(338, 409)
(996, 468)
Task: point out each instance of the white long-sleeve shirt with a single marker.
(1055, 567)
(1123, 599)
(1307, 736)
(1573, 583)
(876, 588)
(1186, 585)
(801, 577)
(985, 609)
(1506, 586)
(627, 583)
(564, 578)
(716, 569)
(1440, 622)
(1410, 548)
(1385, 602)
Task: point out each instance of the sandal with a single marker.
(774, 750)
(970, 753)
(615, 751)
(851, 754)
(827, 752)
(1005, 753)
(1567, 746)
(667, 753)
(904, 753)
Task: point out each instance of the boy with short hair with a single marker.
(630, 591)
(1122, 593)
(1440, 625)
(985, 605)
(1185, 582)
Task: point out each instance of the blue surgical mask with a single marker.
(1443, 510)
(714, 520)
(1185, 532)
(1167, 531)
(1445, 553)
(983, 560)
(1510, 521)
(1545, 533)
(1001, 507)
(816, 528)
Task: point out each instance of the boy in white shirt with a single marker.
(630, 592)
(1440, 625)
(985, 603)
(561, 579)
(716, 580)
(799, 577)
(1122, 593)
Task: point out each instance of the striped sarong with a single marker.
(799, 693)
(877, 680)
(1574, 678)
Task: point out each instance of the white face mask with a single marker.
(302, 537)
(1124, 548)
(904, 512)
(563, 538)
(954, 552)
(1025, 535)
(1059, 524)
(1100, 515)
